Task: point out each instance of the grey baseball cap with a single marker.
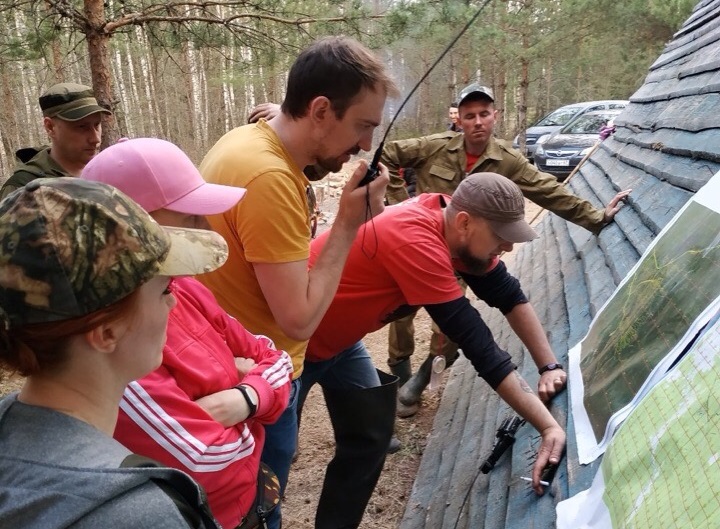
(499, 201)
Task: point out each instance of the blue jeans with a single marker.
(280, 446)
(353, 368)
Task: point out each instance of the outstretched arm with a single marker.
(525, 323)
(498, 288)
(461, 322)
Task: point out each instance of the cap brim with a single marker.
(477, 94)
(77, 114)
(208, 199)
(193, 252)
(516, 231)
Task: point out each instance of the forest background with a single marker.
(189, 71)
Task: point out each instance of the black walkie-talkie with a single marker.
(373, 169)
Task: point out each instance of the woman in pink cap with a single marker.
(203, 409)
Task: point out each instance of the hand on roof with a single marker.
(551, 383)
(615, 204)
(550, 453)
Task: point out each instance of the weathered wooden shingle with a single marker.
(667, 146)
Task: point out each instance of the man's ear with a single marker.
(49, 125)
(104, 338)
(462, 223)
(320, 109)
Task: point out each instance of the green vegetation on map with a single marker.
(650, 313)
(662, 468)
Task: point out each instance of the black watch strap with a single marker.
(253, 407)
(550, 367)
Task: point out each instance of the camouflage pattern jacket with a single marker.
(439, 161)
(33, 162)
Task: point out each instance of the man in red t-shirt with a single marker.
(407, 259)
(441, 162)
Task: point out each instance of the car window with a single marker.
(617, 105)
(587, 124)
(559, 117)
(596, 107)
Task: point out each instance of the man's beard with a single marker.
(315, 172)
(472, 264)
(334, 165)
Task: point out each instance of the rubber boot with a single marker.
(395, 445)
(410, 393)
(363, 421)
(402, 370)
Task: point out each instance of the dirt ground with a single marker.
(387, 504)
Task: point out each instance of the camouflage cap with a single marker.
(69, 247)
(475, 91)
(70, 102)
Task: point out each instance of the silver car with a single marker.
(558, 119)
(566, 148)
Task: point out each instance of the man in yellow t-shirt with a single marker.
(336, 92)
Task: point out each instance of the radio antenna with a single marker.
(373, 167)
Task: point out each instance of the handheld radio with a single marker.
(372, 171)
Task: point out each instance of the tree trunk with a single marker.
(523, 94)
(98, 41)
(121, 116)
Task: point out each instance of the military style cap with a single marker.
(499, 201)
(69, 247)
(475, 91)
(70, 102)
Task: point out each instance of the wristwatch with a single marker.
(248, 398)
(549, 367)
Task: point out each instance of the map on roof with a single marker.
(652, 317)
(662, 467)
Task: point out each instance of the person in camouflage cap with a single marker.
(85, 297)
(72, 120)
(70, 247)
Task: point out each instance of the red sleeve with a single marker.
(158, 420)
(272, 375)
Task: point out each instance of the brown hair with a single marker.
(40, 347)
(337, 68)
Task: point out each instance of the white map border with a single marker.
(588, 447)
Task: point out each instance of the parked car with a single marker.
(557, 119)
(564, 149)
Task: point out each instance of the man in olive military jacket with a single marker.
(71, 118)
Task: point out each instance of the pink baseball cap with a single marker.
(157, 174)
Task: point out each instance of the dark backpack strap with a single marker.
(188, 497)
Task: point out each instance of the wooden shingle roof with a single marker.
(667, 146)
